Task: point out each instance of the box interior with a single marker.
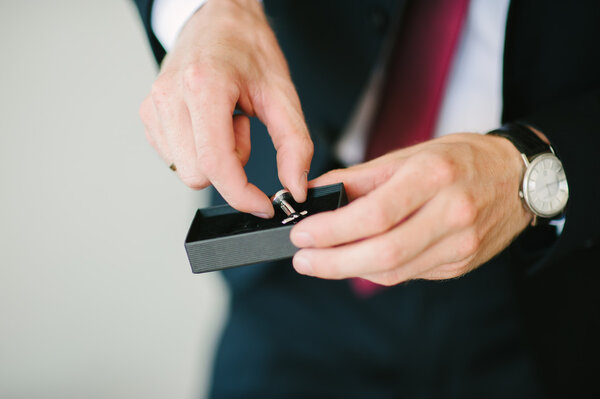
(221, 221)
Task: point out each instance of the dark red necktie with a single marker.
(417, 75)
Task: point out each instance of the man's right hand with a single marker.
(225, 57)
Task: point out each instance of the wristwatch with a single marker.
(544, 189)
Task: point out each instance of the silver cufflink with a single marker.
(281, 199)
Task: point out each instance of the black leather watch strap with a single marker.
(526, 141)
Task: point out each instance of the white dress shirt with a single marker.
(169, 17)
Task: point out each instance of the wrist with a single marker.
(514, 170)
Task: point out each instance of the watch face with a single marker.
(545, 186)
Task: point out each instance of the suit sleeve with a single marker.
(551, 82)
(145, 10)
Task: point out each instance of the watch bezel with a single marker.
(525, 192)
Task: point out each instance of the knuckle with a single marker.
(228, 24)
(208, 162)
(380, 280)
(388, 256)
(194, 77)
(464, 212)
(444, 169)
(308, 146)
(209, 77)
(388, 278)
(469, 245)
(161, 89)
(194, 181)
(403, 202)
(379, 217)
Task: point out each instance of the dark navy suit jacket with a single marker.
(541, 292)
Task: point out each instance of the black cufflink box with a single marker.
(221, 237)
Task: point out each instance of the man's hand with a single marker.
(226, 57)
(433, 211)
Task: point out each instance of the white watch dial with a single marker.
(545, 186)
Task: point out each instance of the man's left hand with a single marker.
(432, 211)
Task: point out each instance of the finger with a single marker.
(283, 117)
(211, 106)
(175, 123)
(358, 180)
(371, 214)
(379, 253)
(241, 131)
(449, 258)
(365, 177)
(153, 130)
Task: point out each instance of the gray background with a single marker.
(96, 297)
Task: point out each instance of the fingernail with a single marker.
(262, 215)
(302, 239)
(302, 265)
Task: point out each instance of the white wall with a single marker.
(96, 297)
